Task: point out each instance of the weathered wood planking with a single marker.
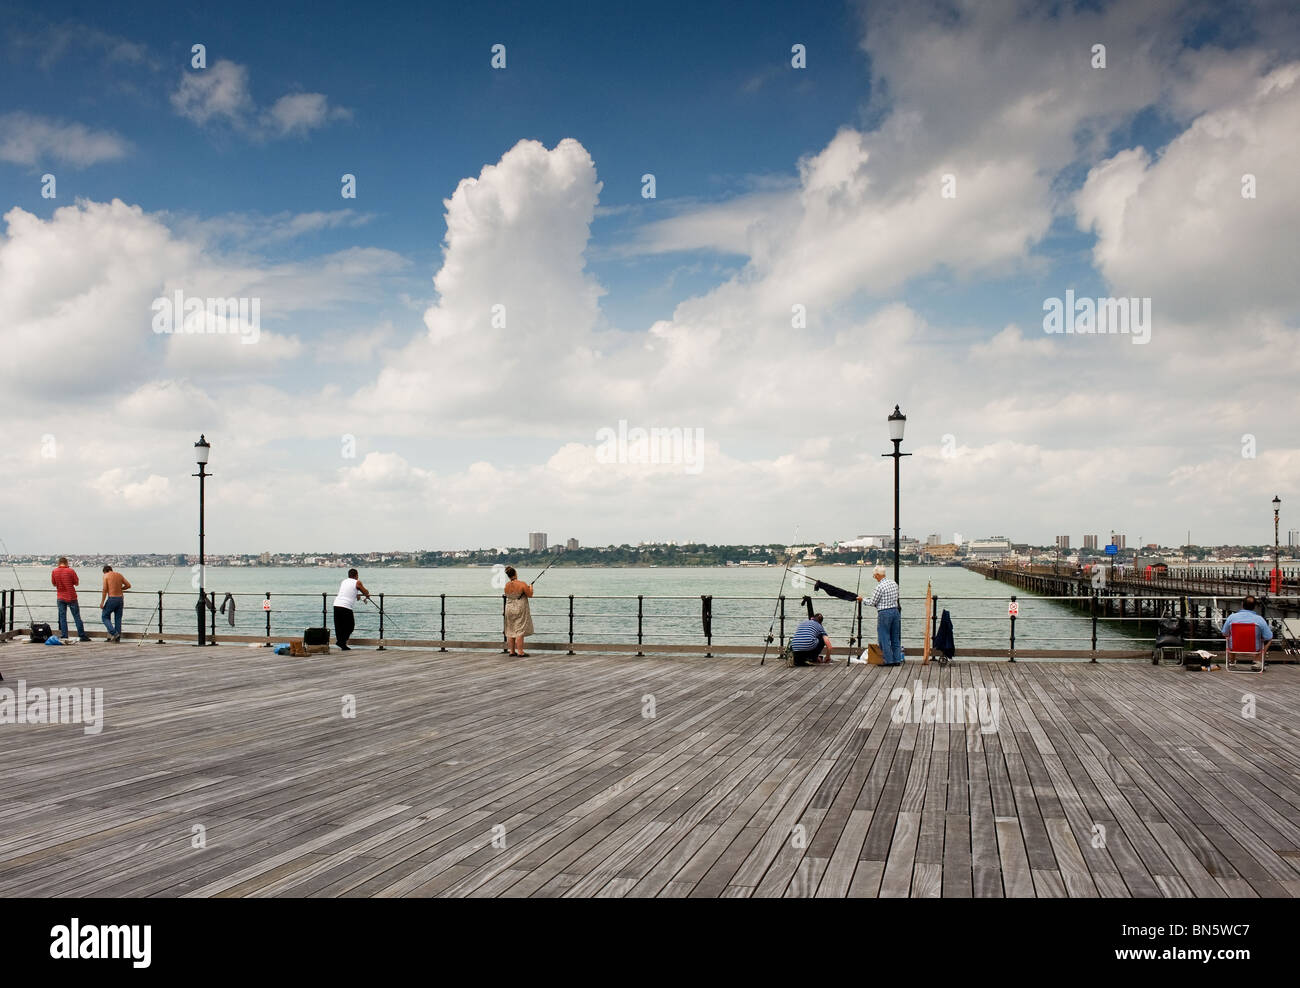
(472, 774)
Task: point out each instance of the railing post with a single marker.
(860, 642)
(268, 621)
(442, 622)
(570, 624)
(160, 613)
(1012, 654)
(934, 616)
(708, 638)
(212, 616)
(782, 602)
(381, 624)
(505, 642)
(640, 614)
(324, 617)
(1094, 626)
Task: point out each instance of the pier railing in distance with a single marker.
(1091, 627)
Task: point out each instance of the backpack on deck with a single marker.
(40, 632)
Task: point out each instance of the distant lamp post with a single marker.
(201, 450)
(897, 422)
(1277, 548)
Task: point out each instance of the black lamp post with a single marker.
(1277, 545)
(897, 421)
(201, 450)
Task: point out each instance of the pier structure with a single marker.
(1196, 596)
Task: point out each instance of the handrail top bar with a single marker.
(262, 595)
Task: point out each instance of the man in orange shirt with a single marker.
(112, 602)
(64, 579)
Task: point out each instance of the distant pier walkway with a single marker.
(471, 774)
(1194, 596)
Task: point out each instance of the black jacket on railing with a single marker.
(943, 641)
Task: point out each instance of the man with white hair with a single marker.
(889, 622)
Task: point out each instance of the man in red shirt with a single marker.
(64, 579)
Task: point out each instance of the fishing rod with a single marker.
(30, 620)
(856, 612)
(157, 606)
(548, 566)
(9, 559)
(777, 606)
(826, 588)
(388, 618)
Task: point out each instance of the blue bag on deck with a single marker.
(53, 640)
(282, 649)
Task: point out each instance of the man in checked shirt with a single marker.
(889, 623)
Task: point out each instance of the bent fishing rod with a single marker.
(548, 566)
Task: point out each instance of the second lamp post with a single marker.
(201, 450)
(897, 421)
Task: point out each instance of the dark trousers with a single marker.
(111, 614)
(803, 658)
(75, 608)
(344, 622)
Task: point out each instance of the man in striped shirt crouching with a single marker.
(808, 641)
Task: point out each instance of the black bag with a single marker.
(40, 632)
(1169, 632)
(316, 636)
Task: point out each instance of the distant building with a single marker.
(932, 539)
(571, 545)
(1119, 540)
(1293, 537)
(264, 559)
(1063, 543)
(1090, 542)
(996, 547)
(536, 541)
(942, 550)
(869, 542)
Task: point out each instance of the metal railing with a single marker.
(982, 624)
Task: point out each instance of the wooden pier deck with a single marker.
(1112, 779)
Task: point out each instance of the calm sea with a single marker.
(605, 605)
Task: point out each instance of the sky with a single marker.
(646, 274)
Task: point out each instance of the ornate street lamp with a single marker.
(201, 450)
(897, 422)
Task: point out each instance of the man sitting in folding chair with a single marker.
(1247, 634)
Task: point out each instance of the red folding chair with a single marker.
(1242, 641)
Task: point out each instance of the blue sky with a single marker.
(695, 94)
(776, 187)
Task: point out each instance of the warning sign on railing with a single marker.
(1013, 609)
(266, 605)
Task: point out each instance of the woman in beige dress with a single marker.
(519, 619)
